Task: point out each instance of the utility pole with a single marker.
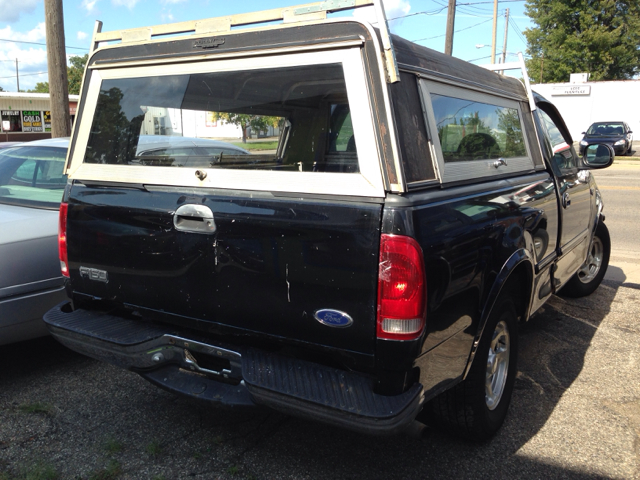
(506, 31)
(57, 64)
(451, 16)
(17, 76)
(495, 28)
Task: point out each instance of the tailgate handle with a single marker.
(195, 219)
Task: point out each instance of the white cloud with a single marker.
(166, 16)
(81, 35)
(89, 5)
(392, 9)
(10, 10)
(30, 61)
(170, 2)
(125, 3)
(36, 34)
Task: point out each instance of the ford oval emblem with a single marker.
(333, 318)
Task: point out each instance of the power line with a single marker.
(469, 11)
(456, 31)
(481, 58)
(489, 56)
(36, 43)
(517, 30)
(426, 12)
(26, 75)
(434, 12)
(499, 1)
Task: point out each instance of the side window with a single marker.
(563, 157)
(475, 134)
(471, 130)
(24, 173)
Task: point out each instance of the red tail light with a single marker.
(62, 239)
(402, 293)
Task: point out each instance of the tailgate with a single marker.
(265, 264)
(241, 192)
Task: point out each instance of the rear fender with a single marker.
(517, 271)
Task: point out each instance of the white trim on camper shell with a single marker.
(465, 170)
(369, 182)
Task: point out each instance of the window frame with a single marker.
(369, 182)
(471, 169)
(561, 149)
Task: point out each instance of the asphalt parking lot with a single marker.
(575, 414)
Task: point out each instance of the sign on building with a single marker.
(572, 90)
(46, 116)
(31, 121)
(11, 120)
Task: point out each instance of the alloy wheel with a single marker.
(497, 365)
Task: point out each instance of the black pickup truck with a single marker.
(369, 269)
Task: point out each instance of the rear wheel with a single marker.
(476, 408)
(592, 271)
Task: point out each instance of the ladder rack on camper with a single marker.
(519, 65)
(301, 13)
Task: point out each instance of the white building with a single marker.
(582, 103)
(27, 116)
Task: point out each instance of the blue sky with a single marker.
(22, 30)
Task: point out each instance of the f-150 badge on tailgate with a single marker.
(333, 318)
(94, 274)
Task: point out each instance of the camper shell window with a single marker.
(303, 111)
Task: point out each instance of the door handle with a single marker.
(566, 201)
(195, 219)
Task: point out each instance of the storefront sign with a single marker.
(46, 116)
(11, 120)
(31, 121)
(572, 90)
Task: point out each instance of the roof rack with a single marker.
(301, 13)
(519, 65)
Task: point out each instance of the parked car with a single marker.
(8, 144)
(178, 145)
(371, 271)
(183, 151)
(616, 134)
(31, 186)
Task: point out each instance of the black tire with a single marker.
(588, 278)
(470, 409)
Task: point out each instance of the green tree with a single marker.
(41, 87)
(1, 89)
(599, 37)
(74, 76)
(244, 121)
(75, 72)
